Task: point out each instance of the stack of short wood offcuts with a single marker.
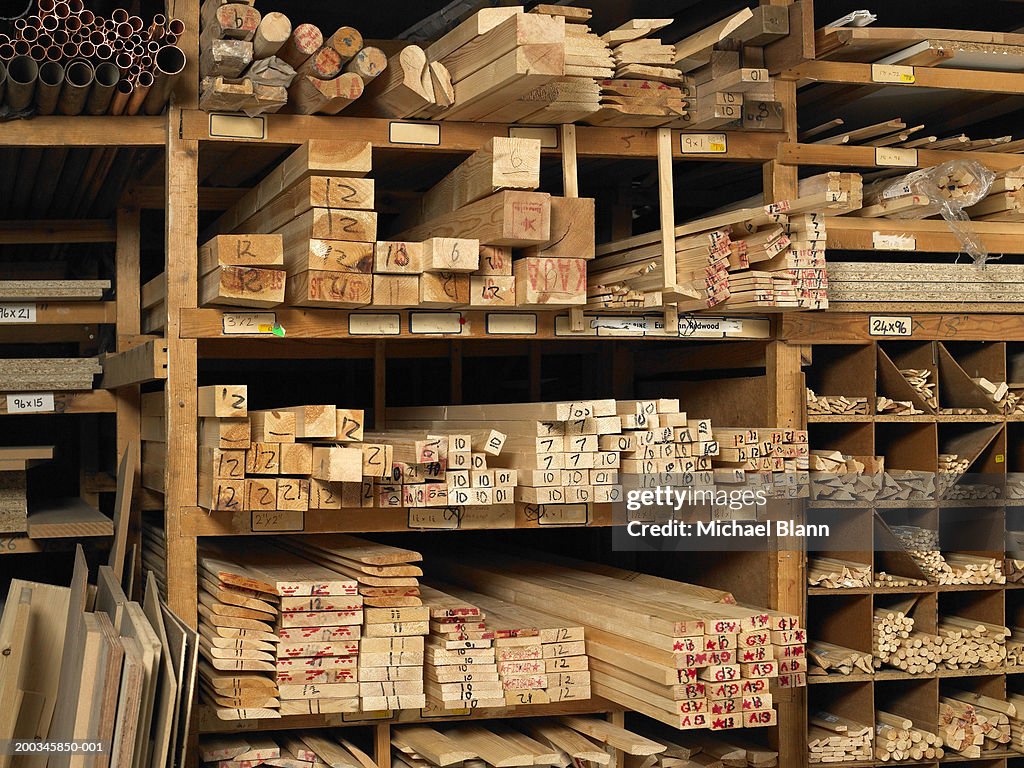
(258, 63)
(832, 738)
(828, 658)
(456, 249)
(840, 477)
(972, 724)
(833, 573)
(821, 405)
(658, 647)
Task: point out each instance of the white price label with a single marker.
(17, 313)
(903, 158)
(251, 323)
(415, 133)
(238, 127)
(708, 326)
(886, 242)
(703, 143)
(512, 324)
(374, 325)
(887, 325)
(893, 73)
(31, 402)
(435, 322)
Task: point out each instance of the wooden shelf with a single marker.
(201, 522)
(852, 233)
(847, 327)
(208, 722)
(925, 590)
(277, 325)
(849, 156)
(85, 131)
(895, 674)
(89, 401)
(856, 73)
(67, 312)
(457, 137)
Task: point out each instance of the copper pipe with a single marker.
(4, 39)
(124, 29)
(170, 63)
(110, 25)
(46, 7)
(77, 6)
(62, 10)
(29, 34)
(51, 23)
(107, 77)
(136, 38)
(139, 51)
(134, 71)
(21, 47)
(136, 22)
(104, 52)
(97, 38)
(59, 37)
(37, 52)
(123, 61)
(54, 53)
(88, 17)
(176, 27)
(20, 24)
(119, 16)
(51, 78)
(122, 93)
(117, 44)
(78, 79)
(152, 47)
(72, 23)
(146, 63)
(142, 87)
(6, 52)
(44, 40)
(170, 39)
(70, 50)
(34, 21)
(22, 74)
(87, 50)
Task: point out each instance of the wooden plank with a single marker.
(170, 670)
(142, 363)
(64, 713)
(13, 649)
(504, 218)
(68, 518)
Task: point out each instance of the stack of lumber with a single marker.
(828, 658)
(52, 290)
(659, 647)
(646, 88)
(561, 741)
(725, 61)
(897, 738)
(391, 653)
(460, 668)
(121, 673)
(859, 286)
(833, 573)
(924, 192)
(772, 460)
(892, 407)
(922, 544)
(540, 658)
(897, 133)
(241, 271)
(291, 749)
(920, 380)
(699, 748)
(1005, 198)
(967, 728)
(903, 484)
(48, 374)
(745, 259)
(280, 635)
(951, 469)
(972, 643)
(835, 739)
(258, 63)
(995, 719)
(835, 476)
(819, 405)
(14, 464)
(320, 206)
(972, 569)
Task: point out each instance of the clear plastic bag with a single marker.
(950, 187)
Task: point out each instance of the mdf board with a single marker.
(105, 699)
(110, 598)
(167, 691)
(42, 654)
(122, 751)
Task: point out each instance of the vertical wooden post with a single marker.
(667, 212)
(129, 326)
(571, 188)
(382, 745)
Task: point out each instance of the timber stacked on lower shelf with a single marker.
(294, 749)
(685, 655)
(858, 286)
(898, 738)
(835, 739)
(826, 658)
(748, 259)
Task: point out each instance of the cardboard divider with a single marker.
(893, 384)
(957, 389)
(844, 370)
(890, 556)
(840, 619)
(914, 699)
(907, 445)
(972, 530)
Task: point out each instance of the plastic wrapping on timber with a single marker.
(971, 182)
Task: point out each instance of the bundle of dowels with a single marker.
(258, 63)
(888, 627)
(662, 648)
(974, 569)
(290, 749)
(836, 476)
(833, 573)
(832, 738)
(995, 719)
(922, 544)
(967, 728)
(818, 405)
(828, 658)
(883, 579)
(899, 738)
(972, 643)
(745, 259)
